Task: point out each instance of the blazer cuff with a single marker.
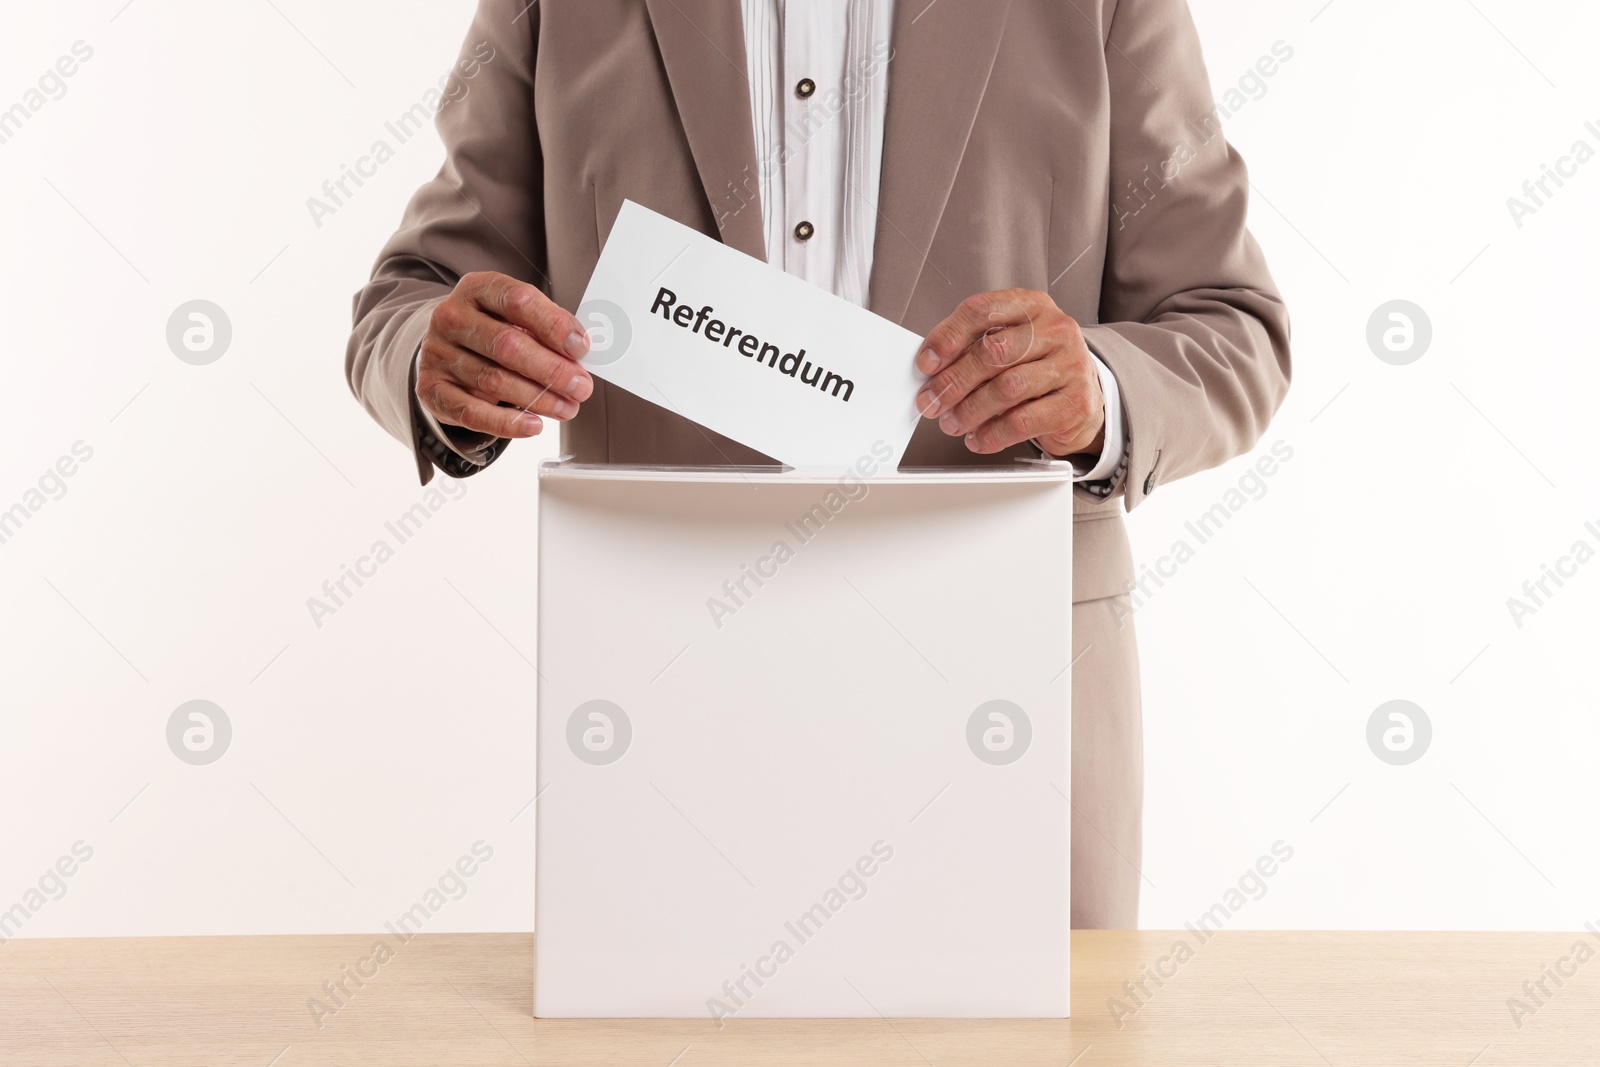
(1142, 421)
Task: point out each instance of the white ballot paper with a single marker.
(746, 350)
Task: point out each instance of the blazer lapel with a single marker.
(943, 53)
(706, 66)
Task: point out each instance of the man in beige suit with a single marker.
(1036, 185)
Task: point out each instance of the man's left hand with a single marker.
(1010, 366)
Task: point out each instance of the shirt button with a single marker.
(1150, 483)
(803, 231)
(805, 88)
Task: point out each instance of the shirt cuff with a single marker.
(1111, 453)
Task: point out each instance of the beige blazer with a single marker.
(1068, 146)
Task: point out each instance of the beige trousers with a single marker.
(1107, 766)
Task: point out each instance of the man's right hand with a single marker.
(497, 340)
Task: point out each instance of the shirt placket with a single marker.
(810, 232)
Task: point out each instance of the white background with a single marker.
(372, 751)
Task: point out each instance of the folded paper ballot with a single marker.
(746, 350)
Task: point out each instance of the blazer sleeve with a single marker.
(1191, 322)
(483, 212)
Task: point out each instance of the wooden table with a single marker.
(1243, 998)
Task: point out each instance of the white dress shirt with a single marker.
(818, 95)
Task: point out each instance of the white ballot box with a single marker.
(803, 743)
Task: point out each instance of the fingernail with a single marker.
(565, 409)
(927, 361)
(577, 345)
(580, 389)
(530, 423)
(949, 425)
(927, 403)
